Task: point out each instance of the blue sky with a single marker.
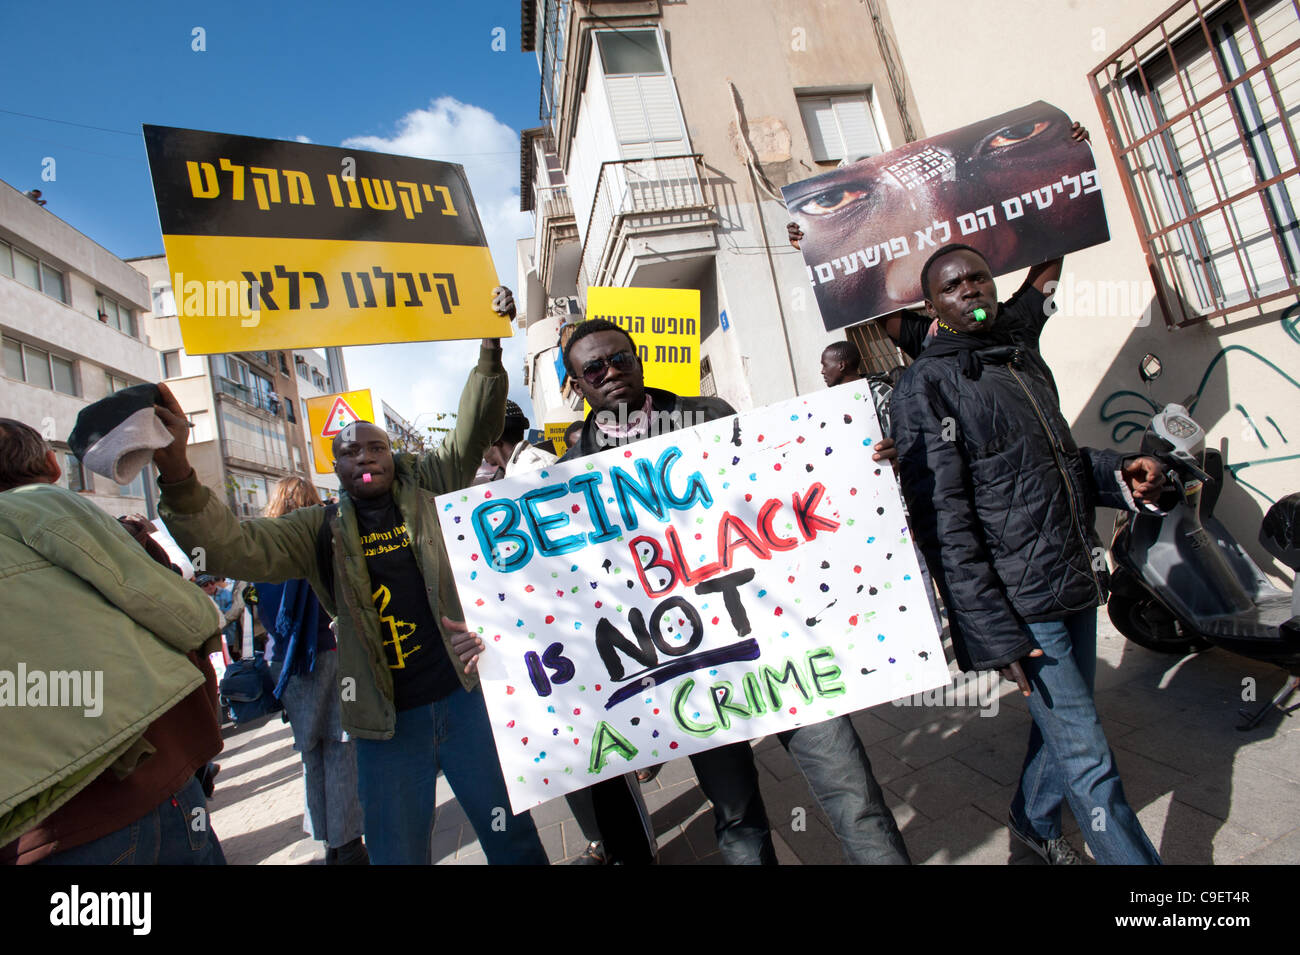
(406, 77)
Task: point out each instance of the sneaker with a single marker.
(1056, 851)
(594, 854)
(353, 853)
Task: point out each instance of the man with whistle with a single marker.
(1001, 502)
(378, 564)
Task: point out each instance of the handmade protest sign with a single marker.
(665, 323)
(276, 244)
(700, 587)
(327, 415)
(1016, 187)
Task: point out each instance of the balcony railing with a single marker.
(656, 192)
(555, 225)
(249, 396)
(251, 454)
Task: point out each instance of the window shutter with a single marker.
(856, 126)
(823, 136)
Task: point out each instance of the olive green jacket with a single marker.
(284, 548)
(82, 600)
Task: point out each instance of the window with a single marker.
(74, 475)
(27, 270)
(642, 99)
(115, 315)
(630, 51)
(32, 272)
(707, 386)
(236, 370)
(38, 367)
(135, 488)
(202, 426)
(288, 410)
(879, 353)
(171, 363)
(114, 384)
(14, 360)
(1211, 153)
(36, 363)
(65, 376)
(284, 365)
(317, 379)
(300, 366)
(52, 282)
(839, 127)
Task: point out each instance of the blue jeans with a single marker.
(175, 832)
(1069, 759)
(329, 759)
(397, 778)
(834, 762)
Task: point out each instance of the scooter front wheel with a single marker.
(1151, 626)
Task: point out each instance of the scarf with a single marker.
(997, 346)
(637, 422)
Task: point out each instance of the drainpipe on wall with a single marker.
(757, 176)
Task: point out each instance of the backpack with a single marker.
(246, 687)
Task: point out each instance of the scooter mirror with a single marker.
(1149, 367)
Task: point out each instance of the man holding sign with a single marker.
(1002, 505)
(380, 568)
(602, 358)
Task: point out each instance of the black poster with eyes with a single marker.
(1017, 187)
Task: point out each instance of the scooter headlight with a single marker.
(1180, 427)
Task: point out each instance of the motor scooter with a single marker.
(1182, 582)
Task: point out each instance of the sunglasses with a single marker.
(593, 372)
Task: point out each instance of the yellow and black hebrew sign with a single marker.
(275, 244)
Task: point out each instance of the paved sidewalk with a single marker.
(1204, 791)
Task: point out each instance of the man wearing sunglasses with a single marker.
(602, 357)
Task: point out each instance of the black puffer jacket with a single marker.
(1000, 497)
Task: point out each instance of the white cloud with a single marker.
(426, 378)
(302, 139)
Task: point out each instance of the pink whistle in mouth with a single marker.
(365, 479)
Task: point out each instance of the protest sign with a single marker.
(664, 323)
(327, 415)
(699, 587)
(277, 245)
(1016, 187)
(555, 434)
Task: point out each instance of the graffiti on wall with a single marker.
(1266, 442)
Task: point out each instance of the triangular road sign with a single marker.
(341, 415)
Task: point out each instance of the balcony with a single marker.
(557, 239)
(254, 457)
(642, 200)
(250, 397)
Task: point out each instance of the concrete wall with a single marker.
(794, 45)
(70, 331)
(1252, 361)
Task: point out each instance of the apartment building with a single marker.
(245, 407)
(404, 435)
(666, 130)
(71, 332)
(315, 369)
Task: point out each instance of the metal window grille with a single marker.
(1200, 109)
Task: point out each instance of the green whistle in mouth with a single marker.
(979, 314)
